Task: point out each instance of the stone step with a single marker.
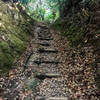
(45, 68)
(57, 98)
(46, 62)
(45, 38)
(43, 26)
(44, 57)
(42, 50)
(41, 34)
(45, 44)
(47, 57)
(51, 98)
(33, 56)
(43, 76)
(44, 31)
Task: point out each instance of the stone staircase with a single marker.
(44, 62)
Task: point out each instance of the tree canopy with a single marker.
(44, 10)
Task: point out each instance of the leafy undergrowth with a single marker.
(15, 34)
(73, 32)
(80, 24)
(82, 28)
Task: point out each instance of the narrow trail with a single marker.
(51, 72)
(40, 79)
(44, 61)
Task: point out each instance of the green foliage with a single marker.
(5, 47)
(43, 10)
(15, 32)
(73, 32)
(6, 60)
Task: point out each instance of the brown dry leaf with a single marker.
(11, 72)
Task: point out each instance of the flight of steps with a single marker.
(44, 62)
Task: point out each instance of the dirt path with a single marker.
(52, 71)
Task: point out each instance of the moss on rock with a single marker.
(72, 31)
(6, 61)
(17, 44)
(15, 32)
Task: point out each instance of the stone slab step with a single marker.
(44, 57)
(44, 34)
(57, 98)
(45, 38)
(33, 56)
(42, 50)
(43, 26)
(45, 44)
(46, 62)
(43, 76)
(45, 68)
(51, 98)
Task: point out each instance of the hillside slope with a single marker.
(80, 23)
(15, 32)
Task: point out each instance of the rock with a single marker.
(46, 62)
(40, 98)
(45, 38)
(51, 98)
(52, 75)
(41, 50)
(57, 98)
(44, 44)
(42, 76)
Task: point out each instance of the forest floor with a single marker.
(51, 69)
